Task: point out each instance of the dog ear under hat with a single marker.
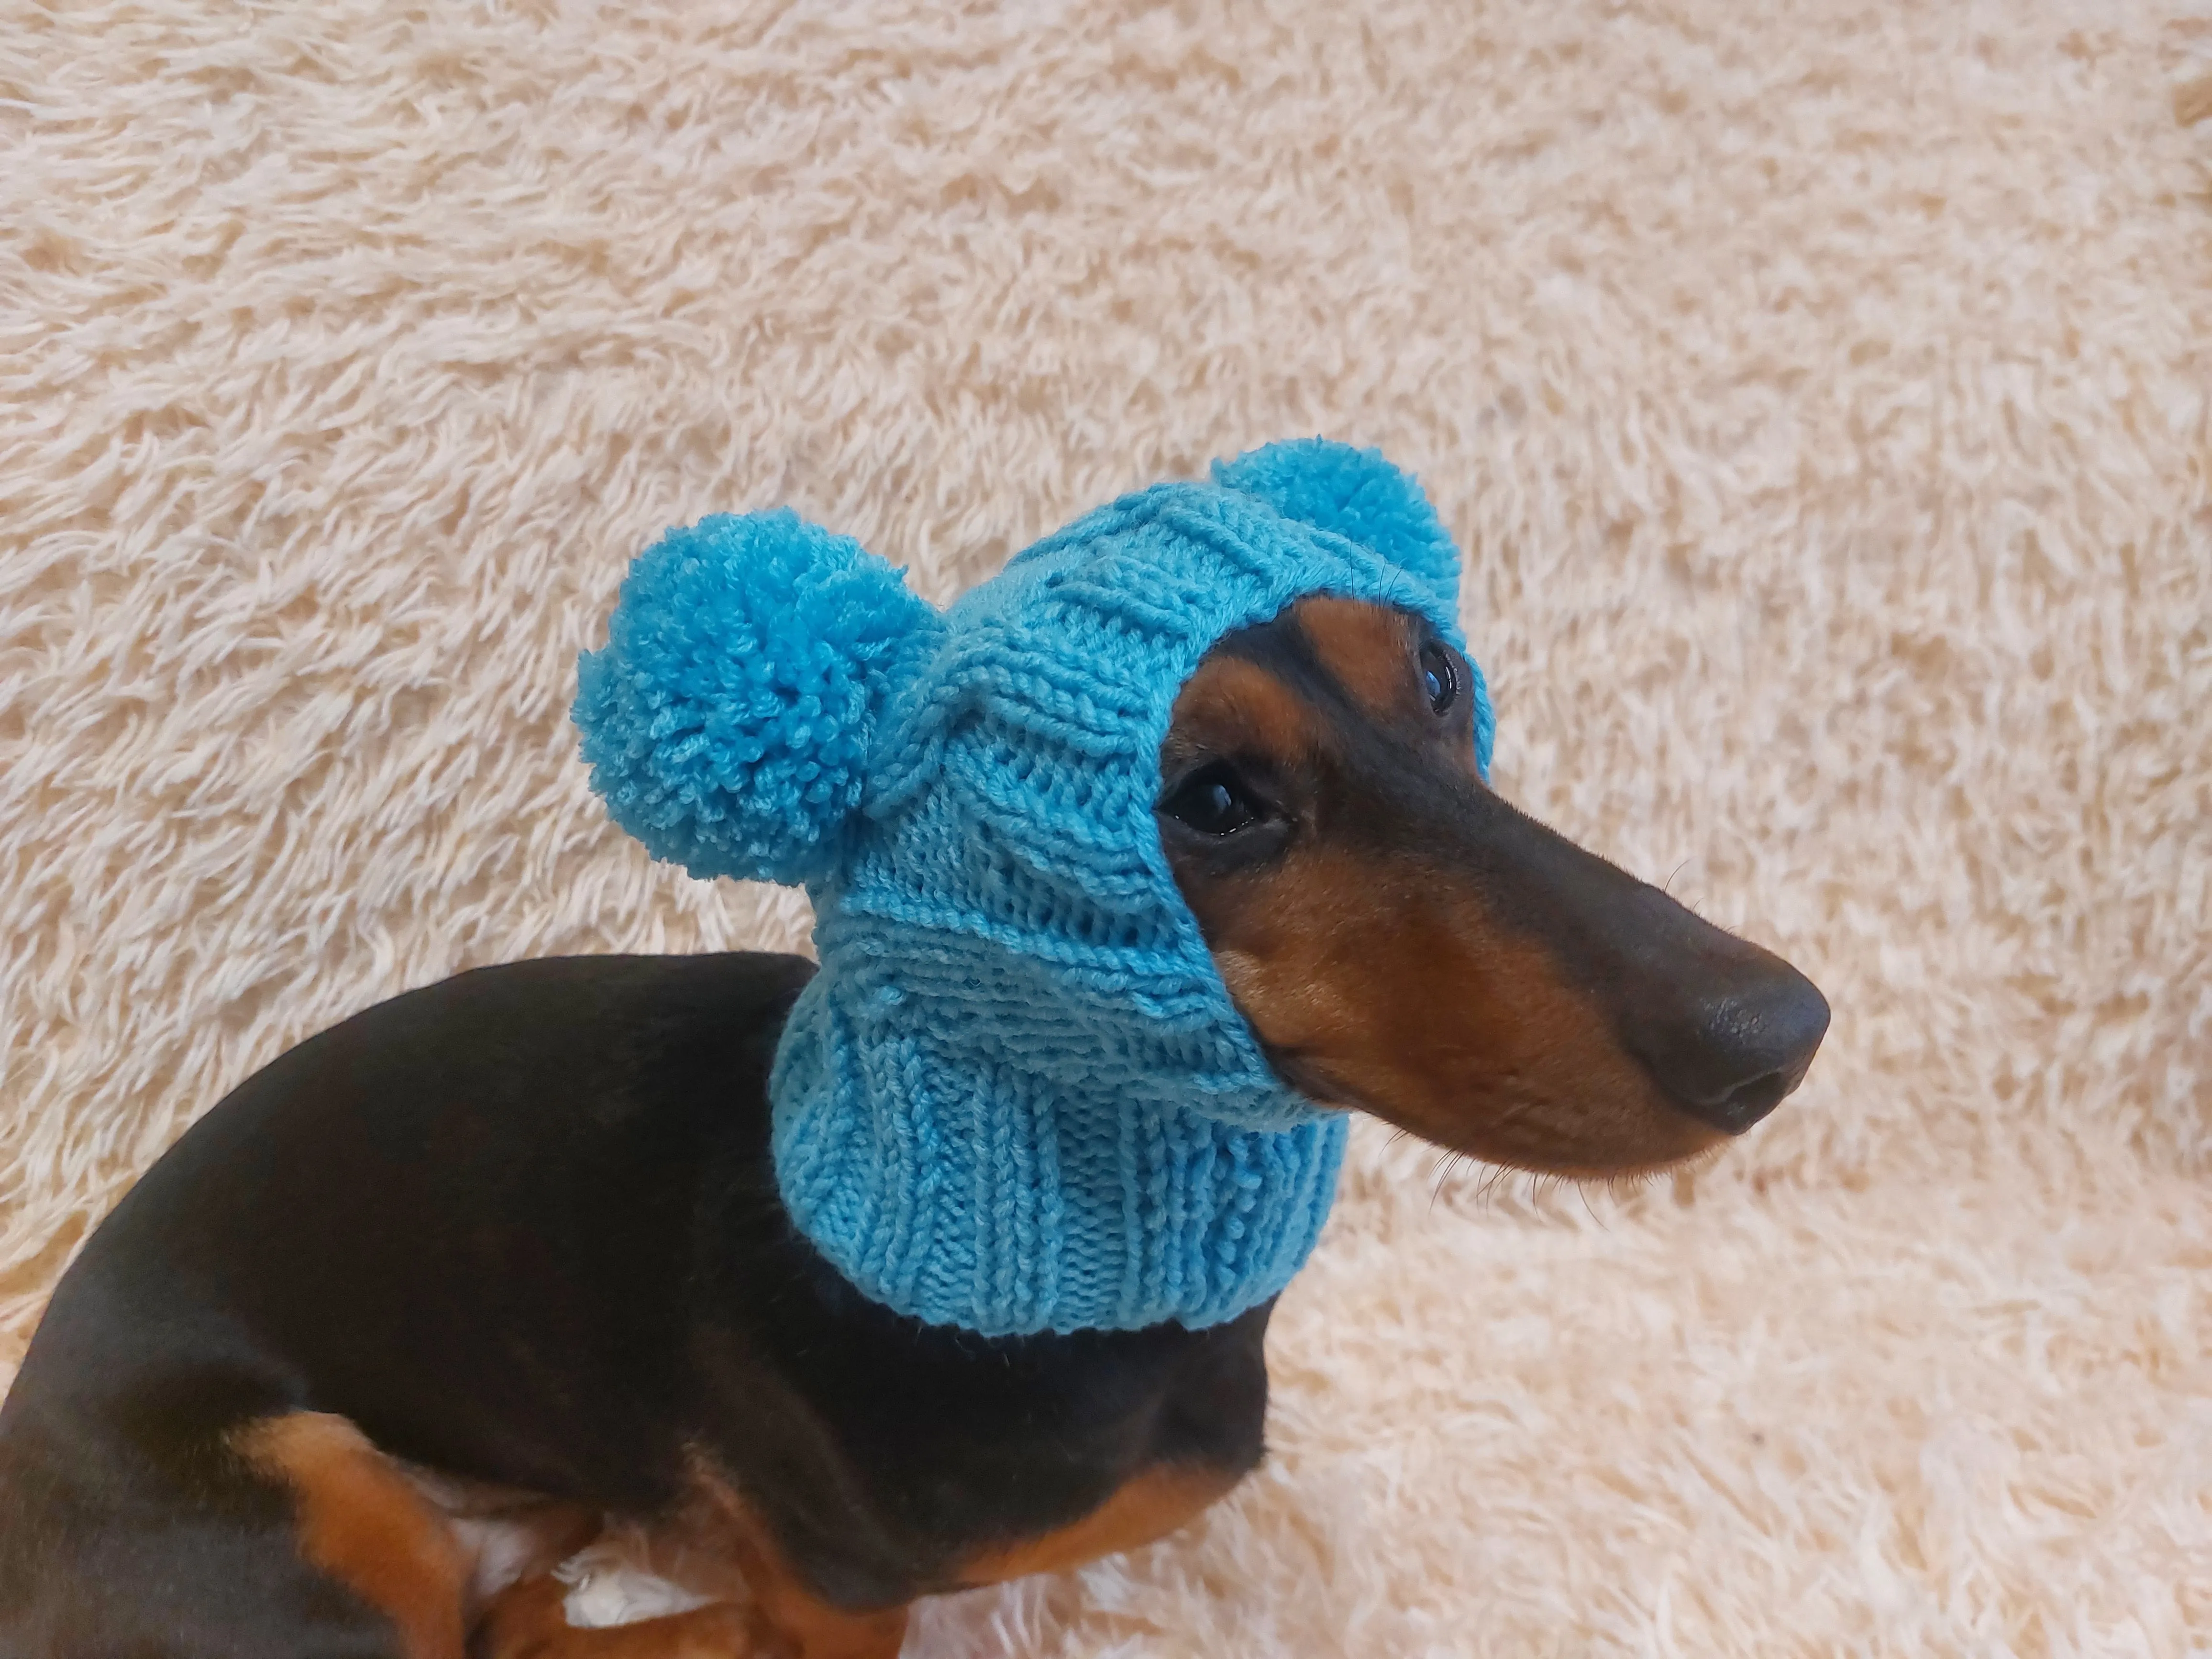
(727, 719)
(1358, 494)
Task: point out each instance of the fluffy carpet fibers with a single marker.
(1819, 387)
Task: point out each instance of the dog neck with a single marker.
(982, 1139)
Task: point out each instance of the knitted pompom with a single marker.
(1356, 494)
(1360, 495)
(726, 721)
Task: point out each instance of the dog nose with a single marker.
(1733, 1050)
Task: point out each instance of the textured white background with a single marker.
(1818, 388)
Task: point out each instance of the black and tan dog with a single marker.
(419, 1307)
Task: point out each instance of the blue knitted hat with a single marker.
(1017, 1096)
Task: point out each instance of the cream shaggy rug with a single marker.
(1819, 388)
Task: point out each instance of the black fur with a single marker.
(520, 1226)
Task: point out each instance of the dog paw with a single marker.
(530, 1621)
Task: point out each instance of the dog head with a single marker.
(1403, 940)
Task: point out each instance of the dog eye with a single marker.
(1214, 801)
(1439, 677)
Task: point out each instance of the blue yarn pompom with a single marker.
(1360, 495)
(726, 721)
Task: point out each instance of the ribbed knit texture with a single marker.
(1017, 1096)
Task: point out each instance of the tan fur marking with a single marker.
(716, 1546)
(788, 1618)
(1142, 1512)
(1367, 649)
(1229, 705)
(531, 1621)
(362, 1523)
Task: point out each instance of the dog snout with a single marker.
(1727, 1047)
(1721, 1029)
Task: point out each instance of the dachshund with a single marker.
(417, 1309)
